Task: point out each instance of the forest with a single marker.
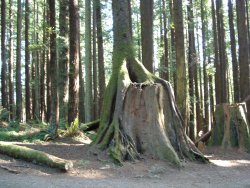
(125, 80)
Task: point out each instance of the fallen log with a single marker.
(35, 156)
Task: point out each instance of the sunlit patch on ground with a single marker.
(230, 163)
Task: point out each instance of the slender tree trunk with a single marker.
(88, 70)
(37, 67)
(43, 65)
(216, 55)
(27, 61)
(74, 34)
(48, 67)
(54, 114)
(19, 100)
(101, 71)
(243, 52)
(10, 63)
(95, 76)
(172, 56)
(205, 79)
(192, 58)
(63, 60)
(146, 7)
(233, 53)
(181, 81)
(3, 56)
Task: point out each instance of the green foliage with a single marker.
(73, 129)
(4, 114)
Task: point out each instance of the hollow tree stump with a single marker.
(231, 127)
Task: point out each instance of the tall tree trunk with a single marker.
(37, 67)
(205, 79)
(101, 71)
(95, 76)
(74, 34)
(10, 63)
(88, 69)
(53, 72)
(3, 56)
(243, 52)
(19, 100)
(146, 7)
(233, 53)
(181, 81)
(192, 58)
(27, 61)
(43, 65)
(172, 55)
(63, 60)
(216, 55)
(222, 53)
(48, 75)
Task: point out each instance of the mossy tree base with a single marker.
(231, 127)
(140, 118)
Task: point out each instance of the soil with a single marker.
(229, 168)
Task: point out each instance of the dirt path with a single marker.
(230, 169)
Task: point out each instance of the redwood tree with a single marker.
(3, 55)
(73, 61)
(18, 63)
(53, 72)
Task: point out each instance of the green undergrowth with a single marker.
(41, 135)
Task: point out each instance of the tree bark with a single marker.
(192, 61)
(101, 71)
(54, 113)
(88, 70)
(63, 60)
(73, 110)
(181, 80)
(146, 8)
(18, 64)
(35, 156)
(10, 63)
(3, 56)
(27, 61)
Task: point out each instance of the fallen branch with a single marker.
(10, 169)
(204, 138)
(35, 156)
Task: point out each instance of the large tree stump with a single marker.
(140, 118)
(231, 127)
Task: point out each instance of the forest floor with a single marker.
(229, 168)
